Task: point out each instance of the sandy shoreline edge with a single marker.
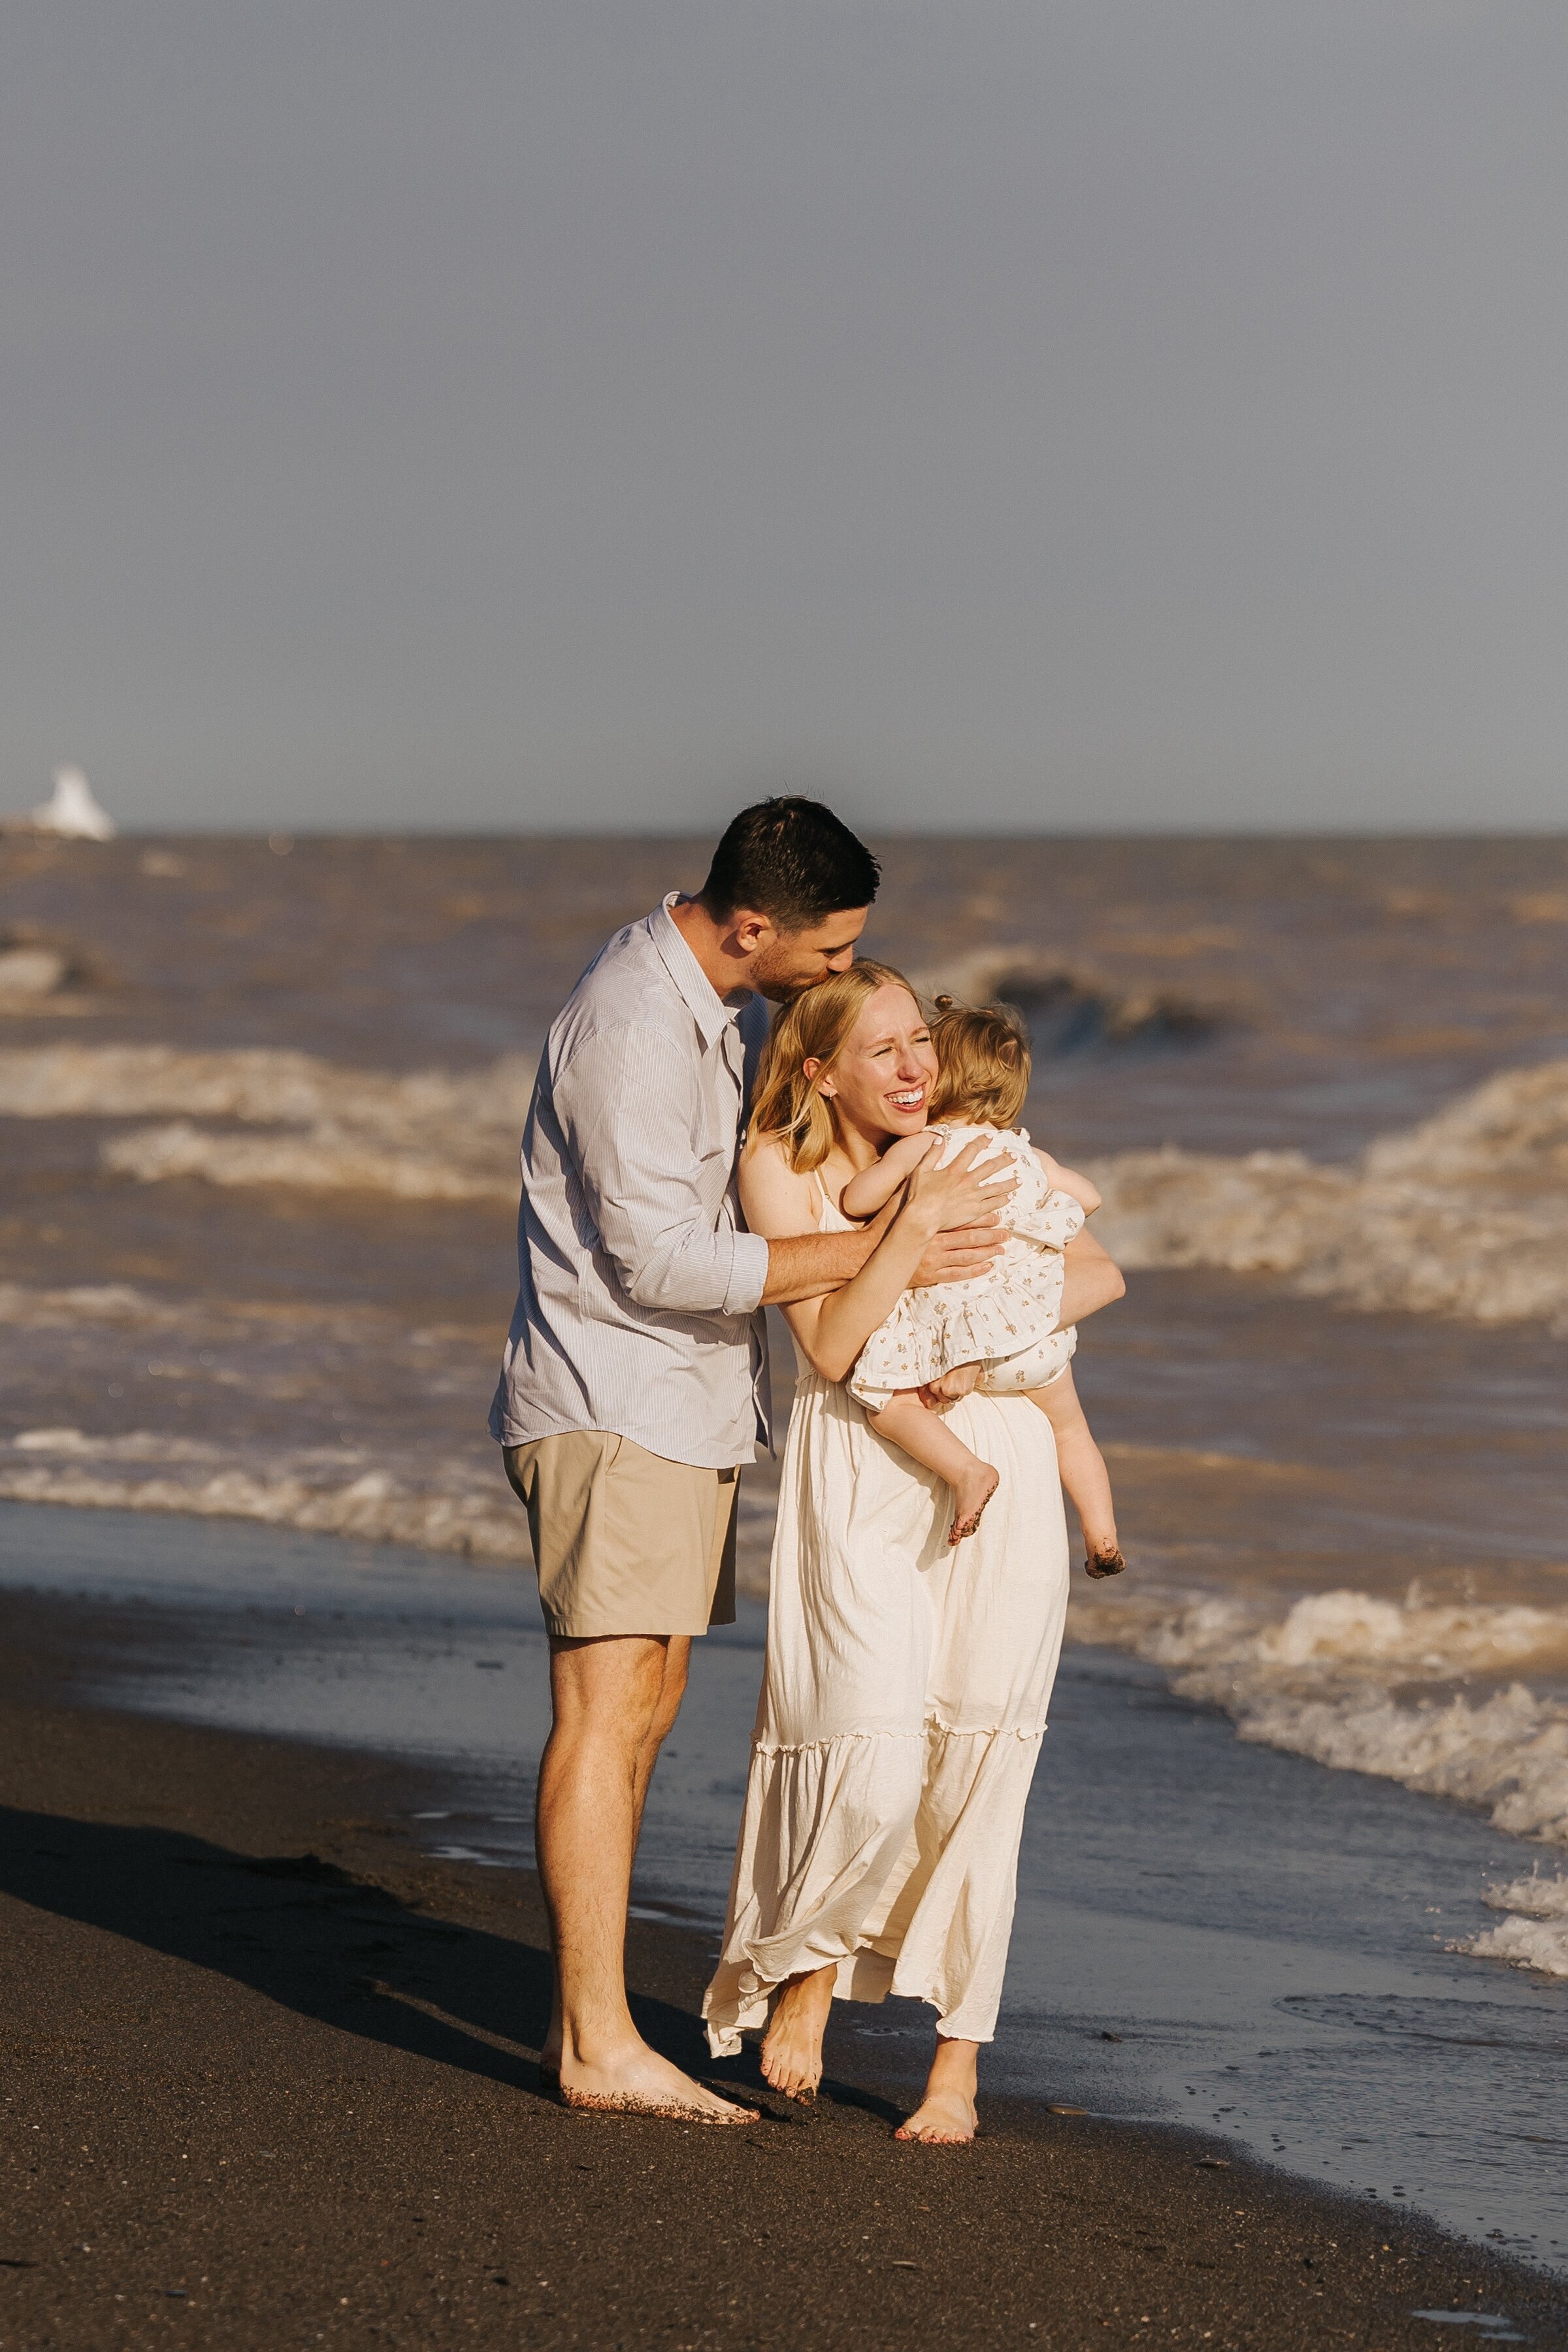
(271, 2075)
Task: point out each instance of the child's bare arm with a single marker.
(874, 1187)
(1068, 1180)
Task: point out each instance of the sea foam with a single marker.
(426, 1135)
(1466, 1214)
(1365, 1685)
(1536, 1934)
(441, 1508)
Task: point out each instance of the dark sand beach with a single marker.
(270, 2072)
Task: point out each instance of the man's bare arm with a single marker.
(810, 1266)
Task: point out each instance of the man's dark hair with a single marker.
(791, 860)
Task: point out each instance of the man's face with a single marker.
(783, 962)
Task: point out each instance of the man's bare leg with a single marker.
(945, 2117)
(926, 1439)
(613, 1701)
(792, 2046)
(672, 1690)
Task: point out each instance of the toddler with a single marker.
(997, 1331)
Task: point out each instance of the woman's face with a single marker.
(882, 1081)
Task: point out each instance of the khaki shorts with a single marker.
(625, 1541)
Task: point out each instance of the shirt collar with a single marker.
(713, 1012)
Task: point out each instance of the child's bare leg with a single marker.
(928, 1441)
(1084, 1474)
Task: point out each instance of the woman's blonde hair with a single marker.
(983, 1054)
(788, 1107)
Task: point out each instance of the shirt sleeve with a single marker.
(626, 1103)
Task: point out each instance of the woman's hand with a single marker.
(940, 1199)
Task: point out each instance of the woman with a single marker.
(907, 1678)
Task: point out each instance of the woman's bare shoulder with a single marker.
(779, 1200)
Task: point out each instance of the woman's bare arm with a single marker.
(1092, 1280)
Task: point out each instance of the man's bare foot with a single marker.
(638, 2082)
(792, 2046)
(945, 2118)
(970, 1497)
(1104, 1559)
(550, 2056)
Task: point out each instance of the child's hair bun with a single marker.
(944, 1003)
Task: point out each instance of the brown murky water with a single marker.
(257, 1183)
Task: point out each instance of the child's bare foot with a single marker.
(792, 2046)
(1105, 1560)
(970, 1497)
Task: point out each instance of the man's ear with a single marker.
(749, 931)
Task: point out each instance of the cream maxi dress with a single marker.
(902, 1709)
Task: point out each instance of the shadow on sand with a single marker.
(312, 1936)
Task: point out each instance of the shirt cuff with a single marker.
(747, 1275)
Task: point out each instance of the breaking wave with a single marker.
(428, 1135)
(1535, 1933)
(330, 1158)
(1071, 1009)
(144, 1470)
(1466, 1214)
(258, 1086)
(1357, 1683)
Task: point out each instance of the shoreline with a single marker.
(273, 2070)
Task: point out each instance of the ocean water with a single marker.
(258, 1112)
(1207, 1934)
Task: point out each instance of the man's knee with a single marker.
(672, 1690)
(611, 1691)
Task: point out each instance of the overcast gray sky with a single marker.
(1085, 413)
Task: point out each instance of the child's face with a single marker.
(882, 1080)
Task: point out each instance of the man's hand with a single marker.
(954, 1256)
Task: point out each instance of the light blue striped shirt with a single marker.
(637, 1308)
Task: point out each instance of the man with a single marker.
(635, 1379)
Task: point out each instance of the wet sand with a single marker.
(271, 2076)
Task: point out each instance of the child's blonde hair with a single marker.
(983, 1053)
(788, 1107)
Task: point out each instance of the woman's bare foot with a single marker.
(970, 1497)
(945, 2117)
(792, 2046)
(636, 2081)
(1104, 1559)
